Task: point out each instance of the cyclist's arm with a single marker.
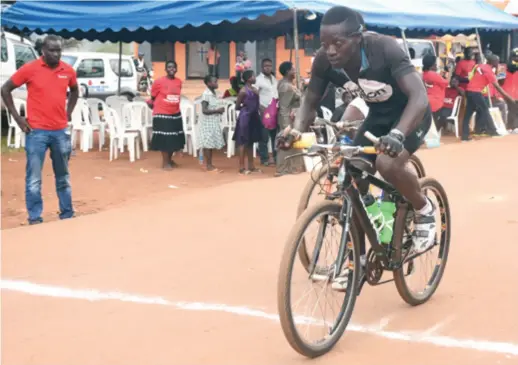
(410, 83)
(316, 90)
(356, 110)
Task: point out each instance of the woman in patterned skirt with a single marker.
(211, 135)
(168, 136)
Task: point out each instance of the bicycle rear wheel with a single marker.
(402, 243)
(325, 212)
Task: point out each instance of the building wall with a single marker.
(161, 52)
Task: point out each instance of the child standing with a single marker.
(211, 135)
(248, 128)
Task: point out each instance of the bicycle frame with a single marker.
(348, 190)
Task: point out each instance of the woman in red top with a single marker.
(168, 136)
(435, 87)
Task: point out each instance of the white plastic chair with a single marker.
(231, 124)
(136, 118)
(188, 110)
(118, 135)
(19, 135)
(81, 123)
(98, 124)
(116, 102)
(455, 114)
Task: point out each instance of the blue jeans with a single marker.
(268, 135)
(36, 144)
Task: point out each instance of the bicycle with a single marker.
(330, 172)
(338, 210)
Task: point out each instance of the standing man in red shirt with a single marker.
(435, 88)
(464, 67)
(482, 77)
(47, 79)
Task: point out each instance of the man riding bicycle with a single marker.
(377, 69)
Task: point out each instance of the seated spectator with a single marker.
(233, 91)
(435, 87)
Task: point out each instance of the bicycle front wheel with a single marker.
(336, 314)
(321, 183)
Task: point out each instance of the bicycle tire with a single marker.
(418, 165)
(399, 229)
(305, 197)
(289, 256)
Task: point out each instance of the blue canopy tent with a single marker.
(221, 20)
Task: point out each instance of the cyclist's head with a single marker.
(429, 63)
(341, 33)
(171, 68)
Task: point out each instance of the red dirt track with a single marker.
(223, 245)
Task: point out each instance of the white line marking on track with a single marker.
(91, 295)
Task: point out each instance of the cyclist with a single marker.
(377, 69)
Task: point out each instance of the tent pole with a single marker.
(296, 45)
(479, 41)
(120, 69)
(509, 45)
(403, 37)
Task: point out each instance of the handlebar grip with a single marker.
(371, 137)
(370, 150)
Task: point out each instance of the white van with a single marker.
(418, 49)
(15, 52)
(97, 73)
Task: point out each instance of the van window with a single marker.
(71, 60)
(23, 53)
(90, 68)
(4, 50)
(421, 48)
(126, 69)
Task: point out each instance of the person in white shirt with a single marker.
(266, 83)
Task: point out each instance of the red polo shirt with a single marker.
(463, 69)
(46, 93)
(436, 89)
(449, 97)
(482, 77)
(511, 84)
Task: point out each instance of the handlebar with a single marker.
(315, 148)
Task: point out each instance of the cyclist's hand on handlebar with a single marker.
(392, 143)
